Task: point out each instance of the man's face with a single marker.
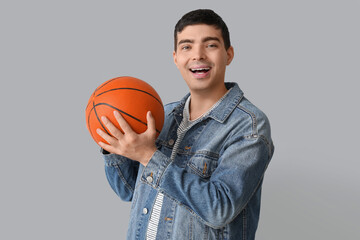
(202, 58)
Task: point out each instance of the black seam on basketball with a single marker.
(90, 130)
(135, 89)
(105, 83)
(129, 115)
(97, 116)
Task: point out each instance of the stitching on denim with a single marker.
(162, 143)
(171, 223)
(264, 138)
(226, 234)
(206, 232)
(205, 167)
(118, 170)
(194, 214)
(162, 173)
(253, 118)
(199, 172)
(244, 223)
(191, 229)
(112, 162)
(208, 154)
(269, 145)
(206, 171)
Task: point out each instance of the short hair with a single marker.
(203, 16)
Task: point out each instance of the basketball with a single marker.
(132, 97)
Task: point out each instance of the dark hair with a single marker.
(203, 16)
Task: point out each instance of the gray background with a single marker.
(296, 60)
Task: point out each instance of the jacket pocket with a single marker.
(202, 164)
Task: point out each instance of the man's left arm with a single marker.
(218, 200)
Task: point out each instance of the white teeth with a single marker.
(199, 69)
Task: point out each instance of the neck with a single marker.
(201, 102)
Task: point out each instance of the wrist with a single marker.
(148, 155)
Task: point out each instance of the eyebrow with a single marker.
(185, 41)
(211, 39)
(203, 40)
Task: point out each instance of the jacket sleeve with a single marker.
(220, 199)
(121, 174)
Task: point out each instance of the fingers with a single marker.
(125, 128)
(151, 127)
(104, 135)
(122, 122)
(111, 127)
(107, 147)
(108, 139)
(126, 142)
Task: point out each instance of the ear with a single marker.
(230, 55)
(175, 59)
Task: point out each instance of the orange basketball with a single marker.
(132, 97)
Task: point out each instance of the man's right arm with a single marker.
(121, 174)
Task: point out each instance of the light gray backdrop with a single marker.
(297, 60)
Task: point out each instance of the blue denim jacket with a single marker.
(212, 189)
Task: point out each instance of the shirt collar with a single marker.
(221, 112)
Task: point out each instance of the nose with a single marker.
(199, 53)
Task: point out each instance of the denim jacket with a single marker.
(212, 188)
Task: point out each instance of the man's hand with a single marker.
(138, 147)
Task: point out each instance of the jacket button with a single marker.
(145, 211)
(171, 142)
(149, 179)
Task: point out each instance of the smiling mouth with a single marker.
(199, 70)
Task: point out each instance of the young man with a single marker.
(202, 177)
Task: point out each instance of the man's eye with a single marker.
(185, 47)
(212, 46)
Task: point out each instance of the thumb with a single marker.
(150, 123)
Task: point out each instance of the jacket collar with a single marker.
(221, 112)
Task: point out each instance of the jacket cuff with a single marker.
(155, 168)
(113, 159)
